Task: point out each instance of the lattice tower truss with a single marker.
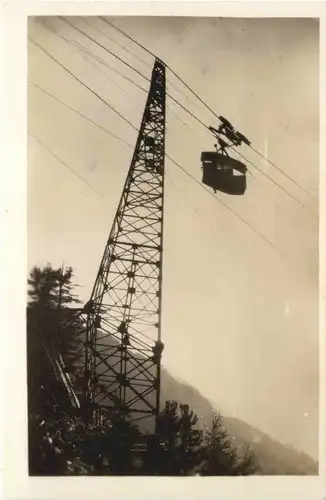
(123, 345)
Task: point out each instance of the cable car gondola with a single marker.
(220, 171)
(223, 173)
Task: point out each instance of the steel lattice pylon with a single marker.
(123, 342)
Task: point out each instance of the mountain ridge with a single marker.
(273, 457)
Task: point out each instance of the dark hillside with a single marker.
(272, 457)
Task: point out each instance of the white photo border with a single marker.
(13, 261)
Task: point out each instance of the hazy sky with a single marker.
(240, 320)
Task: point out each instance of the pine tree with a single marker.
(43, 284)
(42, 298)
(182, 439)
(220, 457)
(65, 295)
(49, 292)
(247, 463)
(49, 287)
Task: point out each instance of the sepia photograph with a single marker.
(172, 280)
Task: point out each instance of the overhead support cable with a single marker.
(117, 43)
(127, 36)
(94, 123)
(81, 178)
(281, 171)
(262, 236)
(82, 83)
(270, 178)
(80, 47)
(133, 68)
(148, 51)
(104, 48)
(188, 111)
(99, 59)
(88, 56)
(206, 105)
(169, 157)
(152, 54)
(81, 115)
(177, 102)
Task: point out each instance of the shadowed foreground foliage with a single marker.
(60, 442)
